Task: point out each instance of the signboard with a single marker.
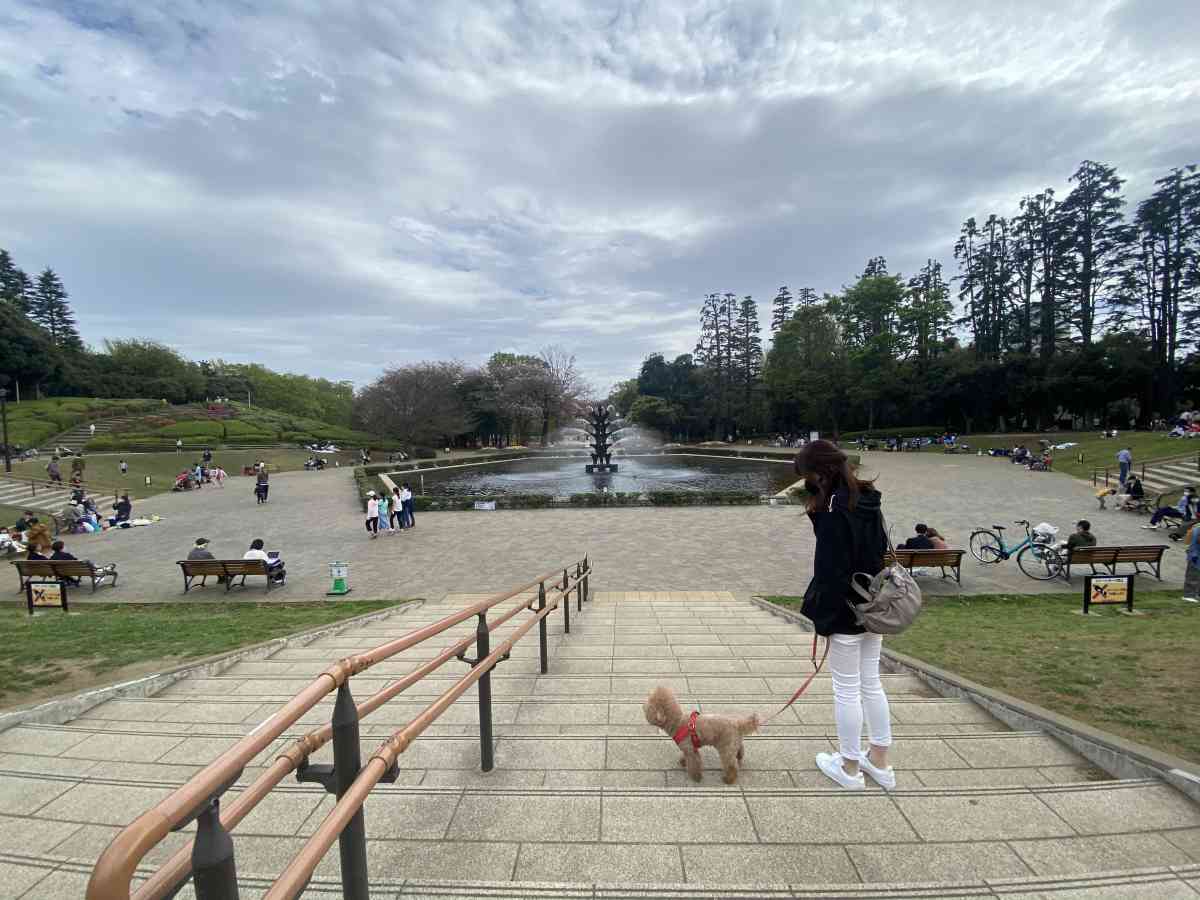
(485, 504)
(45, 594)
(814, 436)
(1108, 590)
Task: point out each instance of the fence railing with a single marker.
(1105, 474)
(209, 859)
(41, 483)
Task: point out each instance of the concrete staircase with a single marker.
(17, 491)
(1171, 475)
(75, 438)
(587, 801)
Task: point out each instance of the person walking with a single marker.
(385, 523)
(53, 472)
(1125, 461)
(124, 467)
(397, 509)
(92, 430)
(372, 515)
(179, 445)
(406, 495)
(261, 485)
(847, 519)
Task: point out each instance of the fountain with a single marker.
(600, 419)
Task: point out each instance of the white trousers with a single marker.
(857, 690)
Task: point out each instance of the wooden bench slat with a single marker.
(229, 569)
(1111, 557)
(943, 559)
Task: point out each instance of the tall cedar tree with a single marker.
(49, 308)
(748, 346)
(13, 283)
(781, 309)
(1093, 229)
(807, 297)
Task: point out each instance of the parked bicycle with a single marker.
(1036, 554)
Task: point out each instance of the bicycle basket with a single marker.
(1043, 533)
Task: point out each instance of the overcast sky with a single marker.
(336, 186)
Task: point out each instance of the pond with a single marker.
(561, 477)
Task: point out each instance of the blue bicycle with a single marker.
(1036, 554)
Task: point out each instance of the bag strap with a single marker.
(807, 681)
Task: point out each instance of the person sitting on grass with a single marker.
(26, 519)
(920, 540)
(123, 510)
(275, 569)
(1181, 510)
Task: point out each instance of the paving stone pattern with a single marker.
(314, 518)
(586, 800)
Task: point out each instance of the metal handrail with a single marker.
(41, 481)
(114, 870)
(299, 871)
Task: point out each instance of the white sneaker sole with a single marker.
(831, 765)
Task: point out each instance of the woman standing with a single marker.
(384, 521)
(847, 519)
(397, 509)
(372, 515)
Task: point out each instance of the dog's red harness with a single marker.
(688, 727)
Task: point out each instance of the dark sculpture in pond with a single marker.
(600, 421)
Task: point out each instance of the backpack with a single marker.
(891, 599)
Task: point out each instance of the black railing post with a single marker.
(565, 598)
(578, 588)
(214, 873)
(542, 646)
(347, 760)
(586, 593)
(482, 649)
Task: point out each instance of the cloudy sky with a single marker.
(336, 186)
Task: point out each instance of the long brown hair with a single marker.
(825, 469)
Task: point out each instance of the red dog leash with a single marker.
(807, 681)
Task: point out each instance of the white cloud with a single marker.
(335, 187)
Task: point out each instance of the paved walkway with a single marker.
(314, 518)
(588, 801)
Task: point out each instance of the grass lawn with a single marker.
(103, 469)
(1132, 675)
(102, 643)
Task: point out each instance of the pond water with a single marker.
(561, 477)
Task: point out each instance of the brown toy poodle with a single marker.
(695, 731)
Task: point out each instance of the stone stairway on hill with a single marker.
(75, 438)
(16, 491)
(587, 800)
(1171, 475)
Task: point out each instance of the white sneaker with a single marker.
(831, 765)
(885, 778)
(1151, 527)
(1191, 600)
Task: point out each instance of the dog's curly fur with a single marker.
(723, 732)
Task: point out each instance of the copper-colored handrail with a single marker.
(115, 868)
(175, 869)
(299, 871)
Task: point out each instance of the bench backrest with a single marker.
(1147, 553)
(911, 558)
(69, 567)
(223, 566)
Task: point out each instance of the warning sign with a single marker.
(1108, 590)
(45, 594)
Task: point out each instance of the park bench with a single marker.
(60, 569)
(227, 568)
(943, 559)
(1111, 557)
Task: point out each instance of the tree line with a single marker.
(512, 399)
(1064, 312)
(42, 353)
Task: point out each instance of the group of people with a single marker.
(277, 572)
(390, 513)
(925, 538)
(1034, 460)
(199, 474)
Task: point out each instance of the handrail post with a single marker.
(578, 589)
(542, 646)
(586, 591)
(213, 867)
(482, 650)
(347, 760)
(566, 604)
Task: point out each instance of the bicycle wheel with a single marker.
(986, 547)
(1040, 561)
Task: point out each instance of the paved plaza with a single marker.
(314, 518)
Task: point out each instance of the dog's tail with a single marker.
(749, 725)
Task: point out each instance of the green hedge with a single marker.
(198, 429)
(702, 498)
(882, 434)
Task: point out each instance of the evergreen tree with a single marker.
(748, 346)
(807, 297)
(13, 282)
(1091, 221)
(49, 308)
(781, 309)
(926, 315)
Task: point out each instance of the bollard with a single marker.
(542, 646)
(214, 872)
(347, 760)
(482, 649)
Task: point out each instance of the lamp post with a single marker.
(4, 420)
